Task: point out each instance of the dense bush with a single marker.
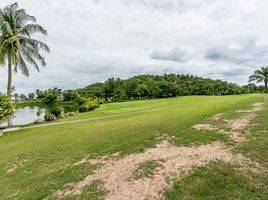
(91, 107)
(6, 107)
(83, 108)
(97, 105)
(56, 111)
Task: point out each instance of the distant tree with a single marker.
(98, 91)
(261, 76)
(70, 95)
(37, 93)
(142, 91)
(50, 98)
(23, 97)
(109, 88)
(131, 88)
(119, 94)
(31, 96)
(16, 97)
(152, 87)
(56, 91)
(168, 85)
(16, 43)
(166, 89)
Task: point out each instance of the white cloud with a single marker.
(96, 39)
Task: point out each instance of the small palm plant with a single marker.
(261, 75)
(16, 45)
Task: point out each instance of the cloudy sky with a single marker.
(92, 40)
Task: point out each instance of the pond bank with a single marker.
(8, 130)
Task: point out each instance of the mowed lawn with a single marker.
(35, 163)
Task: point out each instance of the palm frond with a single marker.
(259, 72)
(36, 55)
(21, 64)
(14, 6)
(256, 77)
(6, 28)
(24, 17)
(35, 43)
(28, 57)
(32, 28)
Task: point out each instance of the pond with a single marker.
(29, 114)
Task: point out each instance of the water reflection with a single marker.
(29, 114)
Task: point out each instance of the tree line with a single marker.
(167, 85)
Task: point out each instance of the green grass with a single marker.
(219, 181)
(51, 151)
(224, 181)
(94, 191)
(146, 169)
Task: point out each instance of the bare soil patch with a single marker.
(117, 175)
(236, 126)
(207, 127)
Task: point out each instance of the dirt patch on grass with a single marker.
(216, 117)
(235, 126)
(207, 127)
(117, 175)
(240, 123)
(243, 122)
(13, 166)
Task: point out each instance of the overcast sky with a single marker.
(92, 40)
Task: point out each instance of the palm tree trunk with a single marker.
(9, 82)
(9, 86)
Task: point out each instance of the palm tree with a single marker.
(16, 45)
(261, 75)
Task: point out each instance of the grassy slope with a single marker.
(224, 181)
(51, 151)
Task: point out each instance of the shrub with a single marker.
(56, 111)
(91, 107)
(50, 117)
(83, 109)
(81, 101)
(6, 107)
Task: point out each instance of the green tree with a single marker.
(31, 96)
(70, 95)
(261, 75)
(109, 88)
(98, 91)
(50, 98)
(16, 44)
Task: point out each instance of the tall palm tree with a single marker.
(16, 45)
(261, 75)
